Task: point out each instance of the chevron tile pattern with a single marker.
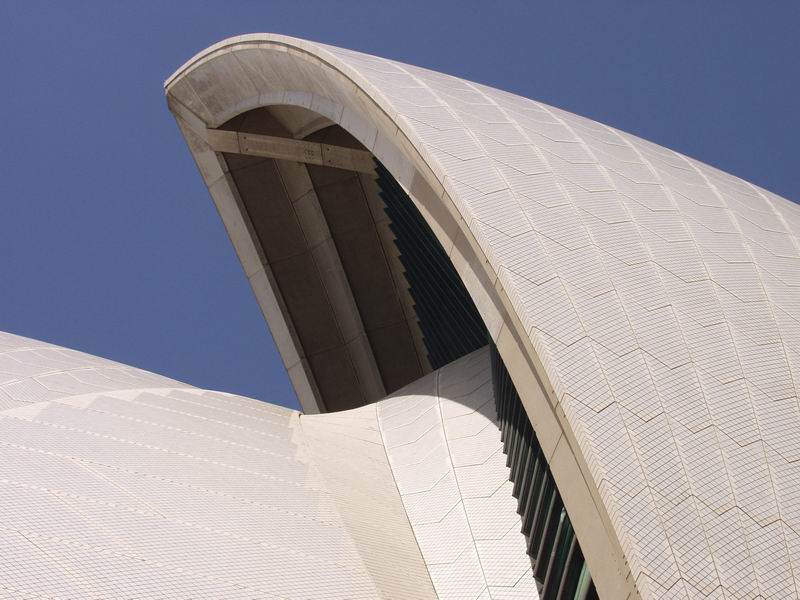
(661, 296)
(167, 491)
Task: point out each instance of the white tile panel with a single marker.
(164, 489)
(466, 522)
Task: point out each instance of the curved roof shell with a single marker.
(647, 305)
(119, 483)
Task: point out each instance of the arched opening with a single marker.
(372, 297)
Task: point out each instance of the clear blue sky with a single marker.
(110, 244)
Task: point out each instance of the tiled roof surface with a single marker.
(130, 485)
(661, 295)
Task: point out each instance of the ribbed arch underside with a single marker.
(324, 236)
(654, 298)
(372, 297)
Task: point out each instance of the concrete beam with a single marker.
(270, 146)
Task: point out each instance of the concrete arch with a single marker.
(391, 145)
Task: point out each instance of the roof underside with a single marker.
(371, 296)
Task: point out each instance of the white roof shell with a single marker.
(647, 305)
(118, 483)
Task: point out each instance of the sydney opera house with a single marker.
(537, 357)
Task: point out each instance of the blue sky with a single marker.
(110, 244)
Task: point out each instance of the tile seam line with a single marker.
(92, 465)
(512, 293)
(170, 410)
(676, 312)
(586, 231)
(148, 561)
(164, 450)
(79, 581)
(458, 485)
(745, 244)
(400, 496)
(87, 467)
(648, 369)
(188, 432)
(796, 245)
(313, 464)
(87, 395)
